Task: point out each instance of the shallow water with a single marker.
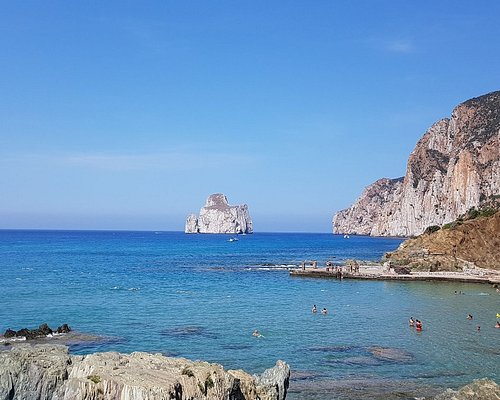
(200, 297)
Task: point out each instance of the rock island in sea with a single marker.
(217, 216)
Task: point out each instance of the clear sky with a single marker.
(127, 115)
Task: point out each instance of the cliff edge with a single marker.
(217, 216)
(455, 166)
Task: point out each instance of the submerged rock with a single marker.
(217, 216)
(49, 372)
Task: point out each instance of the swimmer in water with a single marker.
(324, 311)
(256, 333)
(314, 309)
(478, 328)
(469, 316)
(418, 326)
(497, 325)
(411, 322)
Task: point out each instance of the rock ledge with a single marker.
(50, 372)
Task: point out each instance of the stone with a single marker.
(481, 389)
(50, 372)
(9, 333)
(455, 166)
(64, 328)
(31, 334)
(217, 216)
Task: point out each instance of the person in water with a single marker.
(314, 309)
(324, 311)
(411, 322)
(418, 325)
(497, 325)
(256, 333)
(469, 316)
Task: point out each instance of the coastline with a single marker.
(381, 273)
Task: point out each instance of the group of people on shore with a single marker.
(314, 310)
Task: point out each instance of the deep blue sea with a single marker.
(201, 296)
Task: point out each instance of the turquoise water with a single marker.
(200, 297)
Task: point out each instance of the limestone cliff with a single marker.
(455, 166)
(49, 372)
(462, 244)
(217, 216)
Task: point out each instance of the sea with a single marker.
(202, 296)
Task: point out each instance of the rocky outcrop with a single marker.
(454, 167)
(29, 334)
(49, 372)
(461, 245)
(217, 216)
(481, 389)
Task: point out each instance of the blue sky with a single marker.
(127, 115)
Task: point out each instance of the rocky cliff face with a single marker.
(217, 216)
(473, 243)
(454, 167)
(49, 372)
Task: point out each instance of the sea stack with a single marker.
(455, 166)
(217, 216)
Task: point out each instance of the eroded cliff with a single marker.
(455, 166)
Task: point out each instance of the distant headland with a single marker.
(454, 167)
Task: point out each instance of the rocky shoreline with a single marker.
(50, 372)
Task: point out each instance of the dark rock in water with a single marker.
(189, 331)
(9, 333)
(64, 328)
(27, 333)
(45, 330)
(390, 354)
(30, 334)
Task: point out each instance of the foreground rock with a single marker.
(217, 216)
(481, 389)
(454, 167)
(461, 246)
(50, 372)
